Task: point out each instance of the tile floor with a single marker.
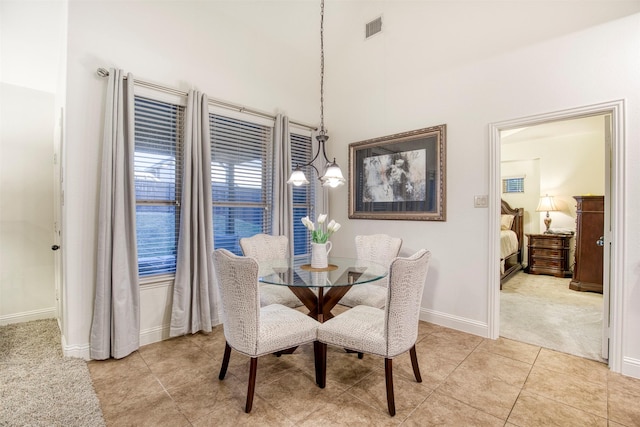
(467, 381)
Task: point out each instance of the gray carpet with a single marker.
(542, 310)
(40, 387)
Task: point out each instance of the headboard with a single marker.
(518, 223)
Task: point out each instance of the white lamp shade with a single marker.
(546, 204)
(297, 178)
(333, 176)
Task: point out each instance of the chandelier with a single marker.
(332, 174)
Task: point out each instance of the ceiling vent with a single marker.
(374, 27)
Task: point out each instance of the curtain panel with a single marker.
(282, 216)
(194, 293)
(115, 329)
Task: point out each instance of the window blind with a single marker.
(513, 185)
(159, 128)
(240, 179)
(304, 195)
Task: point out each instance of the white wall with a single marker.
(212, 46)
(559, 165)
(528, 200)
(31, 35)
(26, 197)
(381, 94)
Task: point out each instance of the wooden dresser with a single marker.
(587, 271)
(549, 254)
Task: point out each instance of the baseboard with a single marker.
(28, 316)
(454, 322)
(155, 334)
(630, 367)
(82, 351)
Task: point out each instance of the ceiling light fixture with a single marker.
(332, 175)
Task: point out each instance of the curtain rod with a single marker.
(103, 72)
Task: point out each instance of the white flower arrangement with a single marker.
(318, 234)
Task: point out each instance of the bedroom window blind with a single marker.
(240, 179)
(304, 195)
(513, 185)
(158, 168)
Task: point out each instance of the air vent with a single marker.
(374, 27)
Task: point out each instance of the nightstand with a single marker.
(549, 254)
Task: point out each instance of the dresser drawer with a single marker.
(548, 263)
(547, 253)
(549, 242)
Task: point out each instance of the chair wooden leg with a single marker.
(388, 376)
(225, 361)
(320, 355)
(252, 384)
(414, 364)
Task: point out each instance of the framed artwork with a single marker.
(399, 176)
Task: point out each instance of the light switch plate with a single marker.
(481, 201)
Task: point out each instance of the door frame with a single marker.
(614, 229)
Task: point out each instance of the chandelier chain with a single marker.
(322, 67)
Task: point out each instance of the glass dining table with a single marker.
(320, 289)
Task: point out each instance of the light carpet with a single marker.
(38, 385)
(542, 310)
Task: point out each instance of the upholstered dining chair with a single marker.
(253, 330)
(387, 332)
(379, 248)
(264, 247)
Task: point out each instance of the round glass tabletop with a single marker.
(341, 272)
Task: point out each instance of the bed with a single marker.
(511, 241)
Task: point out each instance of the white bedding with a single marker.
(508, 245)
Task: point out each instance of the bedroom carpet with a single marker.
(38, 385)
(542, 310)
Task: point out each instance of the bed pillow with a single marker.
(506, 221)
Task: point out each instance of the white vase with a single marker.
(320, 254)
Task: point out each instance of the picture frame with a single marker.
(401, 176)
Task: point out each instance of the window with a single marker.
(240, 179)
(513, 185)
(303, 196)
(157, 165)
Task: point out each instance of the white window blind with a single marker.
(240, 179)
(304, 195)
(513, 185)
(159, 130)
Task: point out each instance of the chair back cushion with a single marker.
(407, 278)
(264, 247)
(379, 248)
(238, 285)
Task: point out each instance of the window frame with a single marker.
(266, 202)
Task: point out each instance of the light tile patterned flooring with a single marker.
(467, 381)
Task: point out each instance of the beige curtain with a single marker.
(115, 329)
(194, 294)
(282, 215)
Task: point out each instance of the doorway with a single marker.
(557, 162)
(613, 233)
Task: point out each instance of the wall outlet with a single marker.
(481, 201)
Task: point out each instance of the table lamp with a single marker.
(546, 204)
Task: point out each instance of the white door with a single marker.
(606, 238)
(56, 244)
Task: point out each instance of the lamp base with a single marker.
(547, 223)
